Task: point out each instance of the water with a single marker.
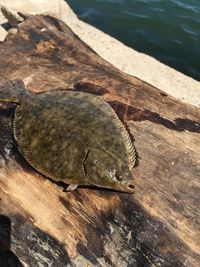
(168, 30)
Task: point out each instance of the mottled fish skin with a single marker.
(74, 137)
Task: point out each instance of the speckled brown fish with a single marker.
(70, 136)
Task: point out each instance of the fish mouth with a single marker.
(127, 187)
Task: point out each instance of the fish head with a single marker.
(110, 174)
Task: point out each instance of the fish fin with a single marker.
(71, 187)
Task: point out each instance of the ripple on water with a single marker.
(166, 30)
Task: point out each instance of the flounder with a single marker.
(71, 136)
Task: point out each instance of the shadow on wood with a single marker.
(7, 258)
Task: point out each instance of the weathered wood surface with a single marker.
(156, 226)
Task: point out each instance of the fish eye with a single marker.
(118, 176)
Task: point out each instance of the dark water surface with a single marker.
(168, 30)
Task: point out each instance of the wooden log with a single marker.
(156, 226)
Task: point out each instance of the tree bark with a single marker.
(156, 226)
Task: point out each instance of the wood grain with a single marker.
(159, 224)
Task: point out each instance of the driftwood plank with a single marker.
(156, 226)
